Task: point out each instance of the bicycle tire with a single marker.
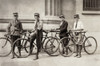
(5, 49)
(67, 50)
(51, 48)
(24, 52)
(90, 48)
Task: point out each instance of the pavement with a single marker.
(45, 60)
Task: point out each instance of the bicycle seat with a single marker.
(83, 31)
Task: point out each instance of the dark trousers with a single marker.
(38, 37)
(32, 38)
(65, 42)
(14, 38)
(79, 43)
(39, 40)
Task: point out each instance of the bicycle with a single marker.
(53, 42)
(89, 44)
(25, 45)
(5, 45)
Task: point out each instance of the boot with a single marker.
(76, 55)
(36, 57)
(13, 56)
(66, 50)
(80, 48)
(63, 51)
(79, 56)
(77, 47)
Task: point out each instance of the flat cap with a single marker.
(76, 16)
(15, 14)
(36, 14)
(61, 16)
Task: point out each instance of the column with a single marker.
(52, 7)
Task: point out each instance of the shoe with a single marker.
(79, 56)
(36, 58)
(12, 57)
(63, 52)
(30, 53)
(76, 55)
(18, 57)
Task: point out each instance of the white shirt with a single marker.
(39, 25)
(79, 25)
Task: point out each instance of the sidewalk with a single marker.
(45, 60)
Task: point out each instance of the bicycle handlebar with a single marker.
(79, 31)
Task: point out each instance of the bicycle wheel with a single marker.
(66, 47)
(51, 46)
(90, 45)
(5, 47)
(21, 48)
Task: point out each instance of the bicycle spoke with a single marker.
(23, 49)
(51, 46)
(66, 49)
(5, 47)
(4, 44)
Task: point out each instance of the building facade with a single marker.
(89, 11)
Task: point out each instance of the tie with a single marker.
(36, 26)
(76, 25)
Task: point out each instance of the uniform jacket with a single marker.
(63, 28)
(15, 27)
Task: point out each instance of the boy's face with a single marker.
(62, 18)
(15, 17)
(36, 17)
(76, 19)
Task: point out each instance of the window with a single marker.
(91, 5)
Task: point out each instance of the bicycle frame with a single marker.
(7, 38)
(47, 37)
(73, 37)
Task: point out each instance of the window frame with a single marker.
(93, 6)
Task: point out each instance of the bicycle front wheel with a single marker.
(66, 47)
(21, 48)
(52, 46)
(90, 45)
(5, 47)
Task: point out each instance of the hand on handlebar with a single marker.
(53, 29)
(33, 30)
(56, 29)
(45, 31)
(76, 30)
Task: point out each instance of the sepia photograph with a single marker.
(49, 32)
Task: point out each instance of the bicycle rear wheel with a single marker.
(90, 45)
(52, 46)
(5, 47)
(21, 48)
(66, 48)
